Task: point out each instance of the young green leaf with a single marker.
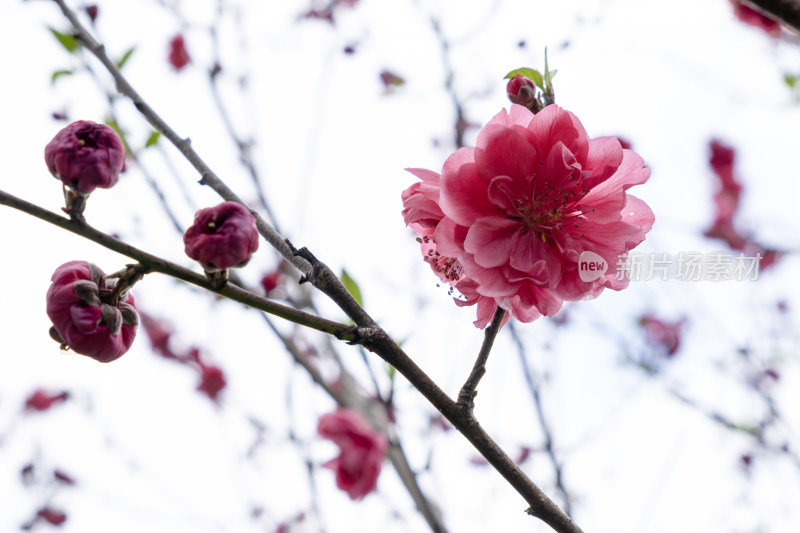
(67, 41)
(153, 139)
(531, 74)
(126, 56)
(352, 287)
(57, 74)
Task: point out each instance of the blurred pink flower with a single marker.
(83, 319)
(212, 380)
(362, 451)
(221, 237)
(661, 333)
(42, 400)
(52, 516)
(520, 208)
(726, 206)
(86, 155)
(272, 280)
(178, 56)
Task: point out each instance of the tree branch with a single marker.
(156, 264)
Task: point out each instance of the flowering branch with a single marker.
(466, 397)
(366, 331)
(373, 338)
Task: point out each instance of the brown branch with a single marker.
(785, 11)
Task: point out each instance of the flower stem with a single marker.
(466, 397)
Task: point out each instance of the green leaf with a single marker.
(790, 80)
(390, 371)
(153, 139)
(352, 287)
(125, 57)
(57, 74)
(532, 74)
(68, 41)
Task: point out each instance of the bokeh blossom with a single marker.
(506, 221)
(178, 56)
(362, 451)
(221, 237)
(82, 316)
(86, 155)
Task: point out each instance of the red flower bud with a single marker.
(86, 155)
(42, 400)
(222, 237)
(521, 90)
(178, 56)
(82, 318)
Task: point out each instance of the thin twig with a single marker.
(466, 397)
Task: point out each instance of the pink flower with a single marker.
(362, 451)
(42, 400)
(178, 56)
(86, 155)
(222, 237)
(519, 209)
(83, 318)
(666, 335)
(750, 16)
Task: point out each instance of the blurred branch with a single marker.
(786, 11)
(545, 427)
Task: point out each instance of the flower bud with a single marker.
(83, 320)
(222, 237)
(522, 90)
(86, 155)
(178, 56)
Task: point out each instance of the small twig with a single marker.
(466, 397)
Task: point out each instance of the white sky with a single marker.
(150, 454)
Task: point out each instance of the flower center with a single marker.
(548, 209)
